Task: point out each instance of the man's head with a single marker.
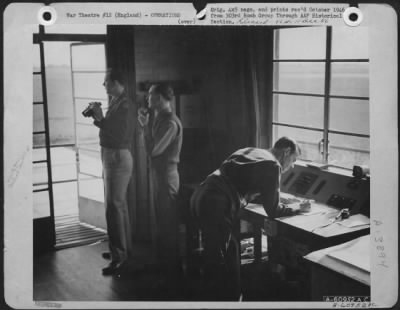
(114, 82)
(160, 96)
(286, 150)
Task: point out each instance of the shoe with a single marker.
(128, 271)
(106, 255)
(112, 268)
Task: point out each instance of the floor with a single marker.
(71, 232)
(64, 170)
(72, 224)
(74, 274)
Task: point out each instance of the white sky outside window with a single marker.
(301, 43)
(350, 43)
(347, 79)
(60, 108)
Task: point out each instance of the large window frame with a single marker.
(323, 147)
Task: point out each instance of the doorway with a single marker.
(68, 196)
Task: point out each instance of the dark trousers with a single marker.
(117, 171)
(165, 180)
(213, 213)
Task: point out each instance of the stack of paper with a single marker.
(355, 220)
(356, 253)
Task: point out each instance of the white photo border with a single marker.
(21, 21)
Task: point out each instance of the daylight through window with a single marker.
(321, 92)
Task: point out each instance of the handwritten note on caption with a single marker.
(274, 15)
(378, 243)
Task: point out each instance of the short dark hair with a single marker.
(116, 75)
(285, 142)
(165, 90)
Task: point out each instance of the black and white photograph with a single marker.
(188, 163)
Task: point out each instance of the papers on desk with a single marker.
(355, 253)
(321, 221)
(294, 203)
(355, 220)
(313, 212)
(288, 199)
(350, 259)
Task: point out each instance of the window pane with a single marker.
(350, 79)
(299, 77)
(37, 88)
(307, 139)
(89, 57)
(59, 84)
(39, 170)
(39, 173)
(36, 58)
(349, 115)
(65, 198)
(90, 163)
(347, 151)
(38, 154)
(41, 203)
(57, 54)
(87, 134)
(300, 43)
(40, 200)
(299, 110)
(38, 125)
(91, 188)
(63, 163)
(350, 42)
(38, 118)
(91, 147)
(59, 94)
(89, 85)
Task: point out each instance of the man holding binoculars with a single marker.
(116, 135)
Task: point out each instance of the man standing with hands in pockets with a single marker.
(162, 131)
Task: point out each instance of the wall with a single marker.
(210, 61)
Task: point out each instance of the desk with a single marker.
(344, 269)
(309, 229)
(291, 238)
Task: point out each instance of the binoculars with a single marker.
(88, 112)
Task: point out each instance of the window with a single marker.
(321, 92)
(61, 196)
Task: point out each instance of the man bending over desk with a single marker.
(244, 175)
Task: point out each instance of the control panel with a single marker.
(303, 183)
(335, 187)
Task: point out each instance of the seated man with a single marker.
(215, 204)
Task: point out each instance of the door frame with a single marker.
(88, 208)
(45, 226)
